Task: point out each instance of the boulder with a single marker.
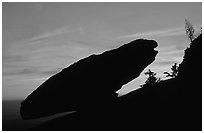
(90, 83)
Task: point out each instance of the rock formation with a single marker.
(89, 85)
(170, 105)
(173, 104)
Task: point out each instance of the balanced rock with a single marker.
(90, 83)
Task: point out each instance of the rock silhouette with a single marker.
(89, 85)
(170, 105)
(173, 104)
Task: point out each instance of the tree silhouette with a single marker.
(189, 30)
(174, 72)
(152, 79)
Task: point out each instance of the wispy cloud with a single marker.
(51, 33)
(32, 71)
(159, 33)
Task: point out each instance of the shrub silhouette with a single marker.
(174, 72)
(189, 30)
(152, 79)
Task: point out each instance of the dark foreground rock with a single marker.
(89, 85)
(174, 104)
(171, 105)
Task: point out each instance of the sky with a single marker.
(40, 39)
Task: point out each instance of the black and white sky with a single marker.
(40, 39)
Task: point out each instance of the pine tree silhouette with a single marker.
(174, 72)
(152, 79)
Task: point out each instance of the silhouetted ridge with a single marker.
(173, 104)
(89, 85)
(192, 60)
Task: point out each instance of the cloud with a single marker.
(50, 33)
(160, 33)
(14, 58)
(32, 71)
(19, 71)
(164, 63)
(50, 72)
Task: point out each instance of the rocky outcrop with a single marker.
(173, 104)
(90, 84)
